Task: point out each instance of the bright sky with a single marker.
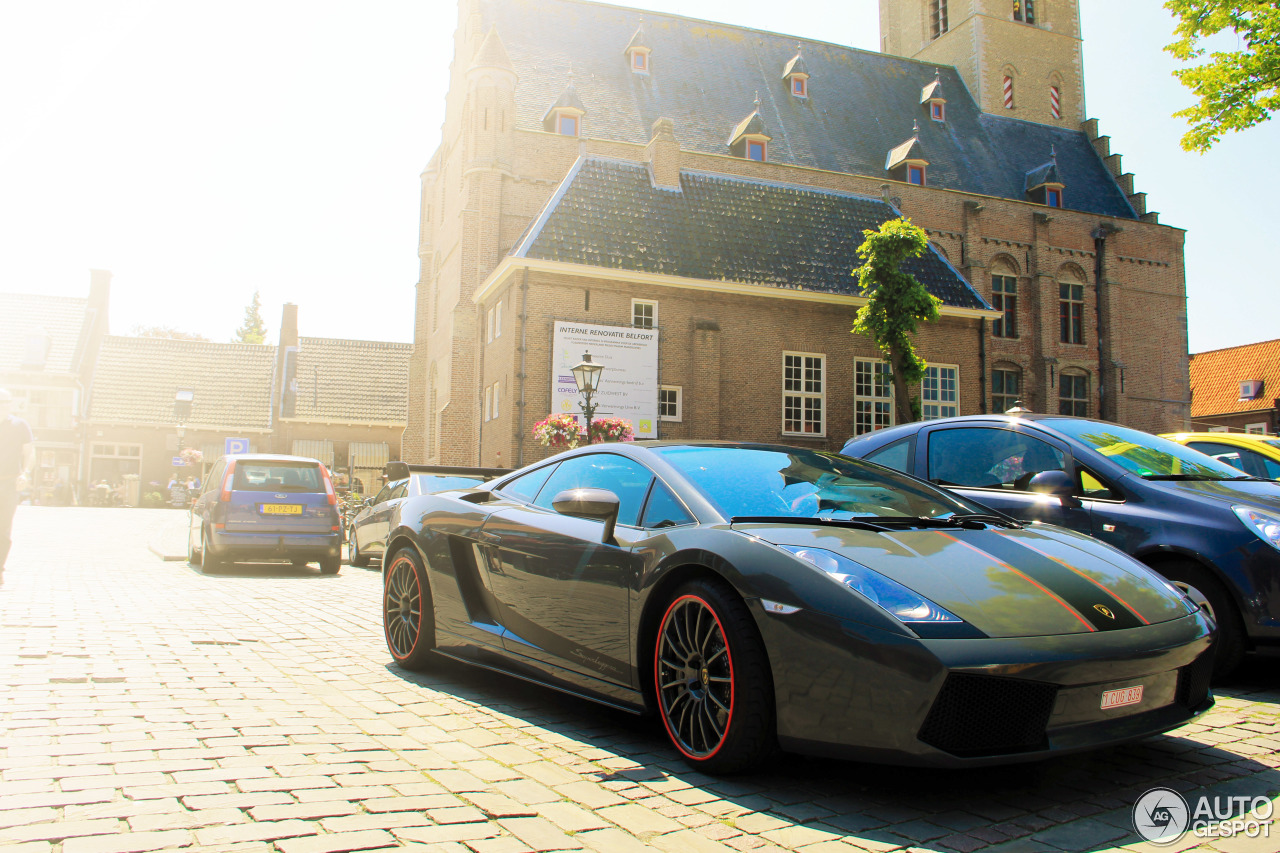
(202, 151)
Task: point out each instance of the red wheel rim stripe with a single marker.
(657, 662)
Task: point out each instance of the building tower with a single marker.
(1019, 58)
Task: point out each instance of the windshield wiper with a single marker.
(1190, 477)
(854, 523)
(987, 518)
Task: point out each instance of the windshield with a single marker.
(1149, 456)
(771, 481)
(428, 483)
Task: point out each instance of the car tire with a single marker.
(330, 565)
(408, 619)
(354, 557)
(209, 562)
(711, 680)
(195, 556)
(1204, 589)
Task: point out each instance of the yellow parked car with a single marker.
(1256, 455)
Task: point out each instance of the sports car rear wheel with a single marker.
(406, 611)
(712, 681)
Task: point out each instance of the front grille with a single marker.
(984, 715)
(1193, 681)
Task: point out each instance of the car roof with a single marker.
(269, 457)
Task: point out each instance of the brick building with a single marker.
(685, 200)
(48, 350)
(1237, 389)
(340, 401)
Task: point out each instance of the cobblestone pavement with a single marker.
(148, 707)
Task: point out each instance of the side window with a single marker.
(525, 488)
(1091, 486)
(1225, 453)
(989, 458)
(896, 456)
(401, 489)
(214, 481)
(626, 479)
(383, 495)
(663, 510)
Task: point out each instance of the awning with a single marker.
(369, 454)
(321, 449)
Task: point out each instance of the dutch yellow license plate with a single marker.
(282, 509)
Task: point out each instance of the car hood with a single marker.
(1260, 493)
(1033, 581)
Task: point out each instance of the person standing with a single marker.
(17, 460)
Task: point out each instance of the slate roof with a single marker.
(702, 75)
(1216, 376)
(137, 378)
(25, 314)
(721, 228)
(360, 381)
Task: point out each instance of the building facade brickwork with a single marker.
(1096, 293)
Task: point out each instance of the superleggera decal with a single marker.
(1098, 605)
(1037, 584)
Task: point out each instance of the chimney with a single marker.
(663, 156)
(287, 364)
(289, 325)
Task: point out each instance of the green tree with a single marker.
(1237, 89)
(896, 305)
(166, 332)
(253, 330)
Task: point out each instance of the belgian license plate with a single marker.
(282, 509)
(1122, 697)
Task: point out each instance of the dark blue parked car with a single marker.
(1202, 524)
(266, 507)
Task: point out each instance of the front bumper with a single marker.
(844, 689)
(275, 546)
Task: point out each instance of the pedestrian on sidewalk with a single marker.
(17, 460)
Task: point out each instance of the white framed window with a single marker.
(488, 322)
(497, 319)
(497, 396)
(1256, 429)
(872, 395)
(670, 406)
(1218, 429)
(644, 313)
(804, 393)
(488, 402)
(940, 391)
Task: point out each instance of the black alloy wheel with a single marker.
(407, 617)
(711, 680)
(1212, 597)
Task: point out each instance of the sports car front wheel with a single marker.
(711, 679)
(406, 611)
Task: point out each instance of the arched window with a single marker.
(1071, 305)
(937, 18)
(1006, 386)
(1004, 298)
(1073, 393)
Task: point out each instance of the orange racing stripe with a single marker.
(1110, 592)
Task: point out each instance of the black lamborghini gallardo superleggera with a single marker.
(757, 596)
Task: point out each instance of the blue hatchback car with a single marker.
(1210, 529)
(266, 507)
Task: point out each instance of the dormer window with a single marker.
(564, 117)
(1053, 197)
(932, 96)
(749, 139)
(796, 73)
(938, 111)
(907, 162)
(637, 51)
(1251, 389)
(1045, 184)
(915, 175)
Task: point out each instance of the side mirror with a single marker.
(1056, 483)
(599, 504)
(368, 501)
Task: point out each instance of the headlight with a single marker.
(1262, 522)
(902, 603)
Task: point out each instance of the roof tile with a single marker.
(1216, 376)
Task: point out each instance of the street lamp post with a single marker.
(586, 374)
